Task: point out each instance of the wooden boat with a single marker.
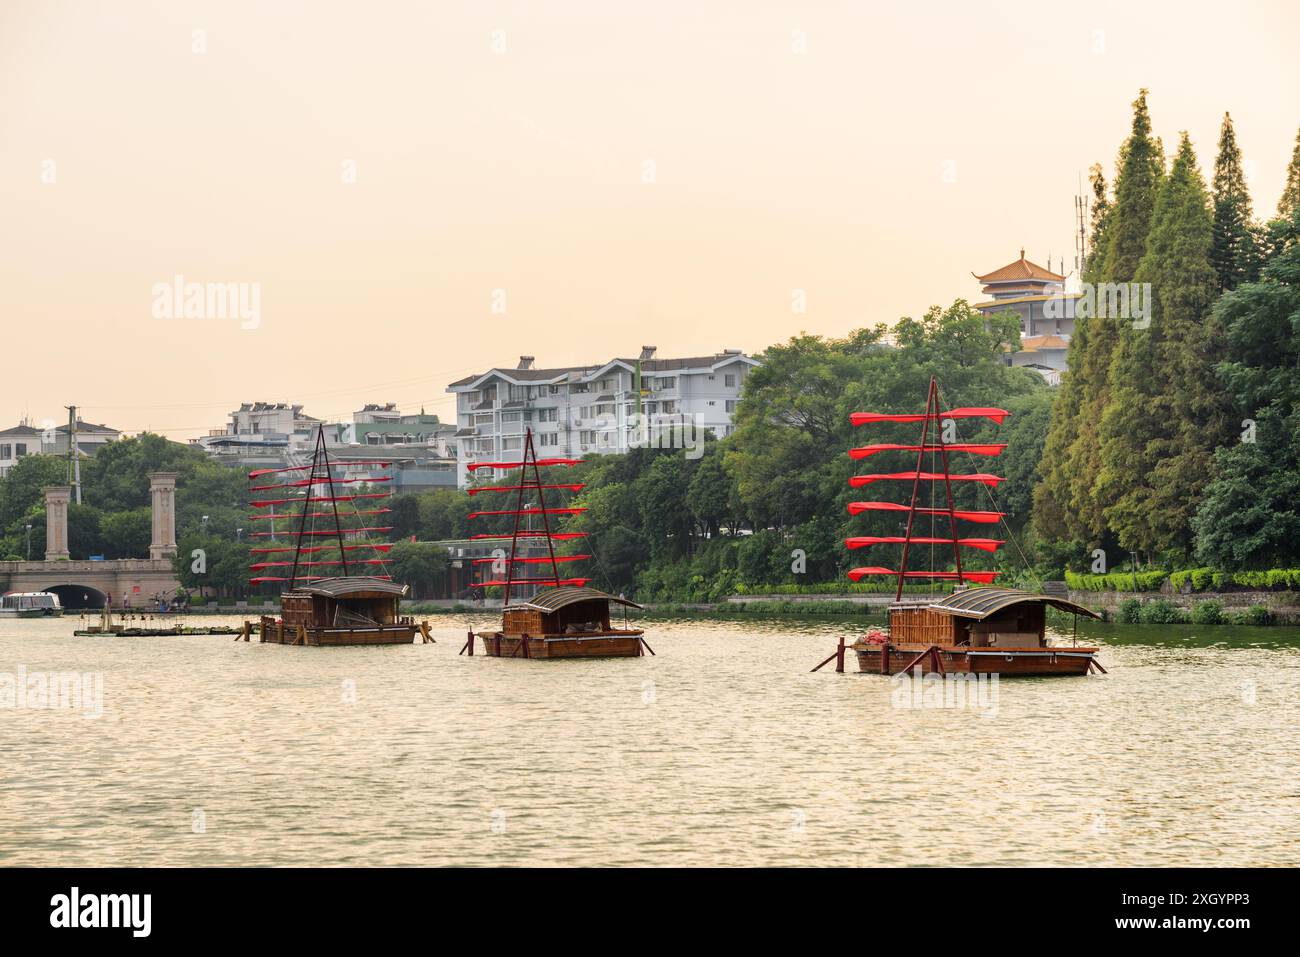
(351, 609)
(563, 622)
(978, 628)
(341, 611)
(981, 630)
(560, 617)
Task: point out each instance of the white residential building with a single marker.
(577, 410)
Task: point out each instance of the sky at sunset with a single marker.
(418, 191)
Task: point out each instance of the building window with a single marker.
(549, 438)
(665, 382)
(669, 407)
(731, 405)
(548, 415)
(553, 389)
(511, 417)
(512, 445)
(729, 381)
(6, 452)
(587, 438)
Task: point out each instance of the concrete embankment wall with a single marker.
(1284, 605)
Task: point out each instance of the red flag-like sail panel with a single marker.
(942, 478)
(982, 578)
(983, 544)
(313, 515)
(995, 415)
(541, 463)
(524, 488)
(986, 518)
(258, 473)
(530, 510)
(992, 481)
(869, 450)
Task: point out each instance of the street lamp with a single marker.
(29, 543)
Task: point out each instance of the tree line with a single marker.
(1173, 435)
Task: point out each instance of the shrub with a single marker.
(1162, 612)
(1207, 613)
(1129, 612)
(1254, 615)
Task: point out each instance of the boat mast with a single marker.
(302, 521)
(931, 403)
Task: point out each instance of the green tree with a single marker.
(1249, 518)
(127, 534)
(1070, 501)
(22, 490)
(1235, 252)
(711, 493)
(1166, 414)
(1290, 201)
(420, 565)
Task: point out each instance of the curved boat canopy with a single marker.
(979, 603)
(554, 599)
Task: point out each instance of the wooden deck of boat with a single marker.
(615, 643)
(1047, 661)
(277, 632)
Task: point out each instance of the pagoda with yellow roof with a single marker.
(1037, 295)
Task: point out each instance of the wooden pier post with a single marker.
(839, 657)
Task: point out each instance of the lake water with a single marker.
(721, 750)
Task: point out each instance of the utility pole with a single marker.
(74, 460)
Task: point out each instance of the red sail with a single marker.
(541, 463)
(558, 536)
(283, 515)
(258, 566)
(868, 450)
(378, 547)
(982, 578)
(331, 532)
(529, 511)
(263, 503)
(319, 480)
(533, 560)
(996, 415)
(258, 473)
(576, 582)
(304, 578)
(985, 518)
(519, 488)
(858, 481)
(983, 544)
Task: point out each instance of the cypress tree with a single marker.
(1235, 254)
(1166, 413)
(1289, 204)
(1141, 168)
(1051, 494)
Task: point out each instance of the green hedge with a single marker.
(828, 588)
(1117, 581)
(1207, 579)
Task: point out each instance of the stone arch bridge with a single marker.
(86, 584)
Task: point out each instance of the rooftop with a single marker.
(1020, 270)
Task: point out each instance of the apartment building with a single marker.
(606, 408)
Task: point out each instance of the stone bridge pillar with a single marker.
(56, 522)
(162, 490)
